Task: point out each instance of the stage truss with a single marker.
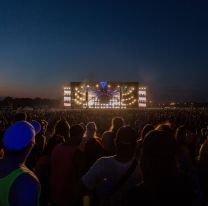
(104, 95)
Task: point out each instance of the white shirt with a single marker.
(105, 173)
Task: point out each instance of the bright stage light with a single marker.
(113, 95)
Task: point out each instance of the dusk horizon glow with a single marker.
(47, 44)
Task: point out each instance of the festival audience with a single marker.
(167, 156)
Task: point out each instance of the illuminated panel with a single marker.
(104, 97)
(128, 96)
(142, 105)
(142, 97)
(142, 93)
(92, 100)
(67, 104)
(67, 96)
(80, 96)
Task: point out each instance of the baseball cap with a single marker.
(36, 125)
(18, 136)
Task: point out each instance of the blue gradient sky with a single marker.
(47, 43)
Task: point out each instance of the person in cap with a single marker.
(18, 185)
(108, 171)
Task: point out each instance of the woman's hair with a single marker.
(91, 129)
(116, 123)
(62, 128)
(147, 128)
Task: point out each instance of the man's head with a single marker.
(158, 156)
(76, 134)
(20, 116)
(116, 123)
(126, 139)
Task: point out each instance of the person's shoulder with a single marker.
(106, 160)
(26, 183)
(94, 142)
(25, 190)
(98, 141)
(106, 134)
(26, 179)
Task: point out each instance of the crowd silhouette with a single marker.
(104, 157)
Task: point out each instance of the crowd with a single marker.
(107, 157)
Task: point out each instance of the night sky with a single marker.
(47, 43)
